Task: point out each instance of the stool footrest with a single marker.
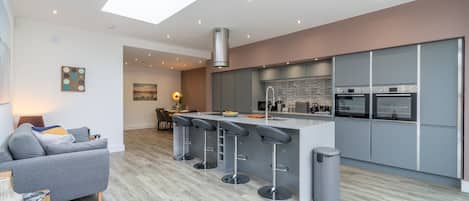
(209, 149)
(281, 168)
(242, 157)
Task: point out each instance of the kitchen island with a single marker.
(293, 159)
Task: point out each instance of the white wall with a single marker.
(41, 49)
(141, 114)
(6, 34)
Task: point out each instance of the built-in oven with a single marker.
(395, 102)
(352, 102)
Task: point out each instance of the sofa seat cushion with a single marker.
(53, 149)
(23, 144)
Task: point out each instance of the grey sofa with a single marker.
(68, 171)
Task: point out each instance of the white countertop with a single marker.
(288, 123)
(296, 114)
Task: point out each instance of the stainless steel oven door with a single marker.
(352, 105)
(395, 106)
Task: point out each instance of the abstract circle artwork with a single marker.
(73, 79)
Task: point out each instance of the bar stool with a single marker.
(184, 123)
(231, 129)
(274, 137)
(206, 126)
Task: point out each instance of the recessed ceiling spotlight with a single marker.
(168, 36)
(55, 12)
(162, 62)
(219, 67)
(199, 21)
(263, 66)
(150, 65)
(126, 63)
(298, 21)
(288, 62)
(149, 54)
(248, 36)
(136, 59)
(315, 59)
(200, 61)
(172, 68)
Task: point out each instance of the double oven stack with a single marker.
(397, 102)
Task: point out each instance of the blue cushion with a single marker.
(23, 144)
(53, 149)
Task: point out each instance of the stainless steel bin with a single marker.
(326, 174)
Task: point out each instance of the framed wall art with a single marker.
(73, 79)
(145, 92)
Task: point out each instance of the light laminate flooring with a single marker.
(147, 172)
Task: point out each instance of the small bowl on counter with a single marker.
(230, 114)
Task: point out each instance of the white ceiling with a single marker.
(143, 58)
(261, 19)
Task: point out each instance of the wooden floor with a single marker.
(146, 171)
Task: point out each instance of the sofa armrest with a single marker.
(67, 176)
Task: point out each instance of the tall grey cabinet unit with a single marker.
(232, 90)
(394, 66)
(216, 92)
(352, 70)
(439, 108)
(352, 138)
(228, 87)
(243, 91)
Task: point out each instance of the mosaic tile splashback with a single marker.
(312, 90)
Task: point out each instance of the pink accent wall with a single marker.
(419, 21)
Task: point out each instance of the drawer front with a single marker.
(353, 138)
(394, 144)
(438, 150)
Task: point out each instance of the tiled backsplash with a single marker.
(312, 90)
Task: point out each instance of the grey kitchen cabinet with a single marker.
(394, 66)
(439, 83)
(243, 91)
(352, 70)
(270, 74)
(228, 87)
(394, 144)
(353, 138)
(320, 68)
(438, 150)
(216, 92)
(293, 71)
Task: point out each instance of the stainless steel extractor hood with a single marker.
(220, 56)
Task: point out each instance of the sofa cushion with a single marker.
(53, 149)
(5, 153)
(23, 144)
(81, 134)
(46, 139)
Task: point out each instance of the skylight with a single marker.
(151, 11)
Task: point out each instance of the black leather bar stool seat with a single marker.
(234, 130)
(274, 136)
(206, 127)
(184, 123)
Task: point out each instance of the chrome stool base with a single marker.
(187, 157)
(239, 179)
(204, 165)
(280, 193)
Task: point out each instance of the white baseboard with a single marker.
(464, 186)
(139, 126)
(116, 148)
